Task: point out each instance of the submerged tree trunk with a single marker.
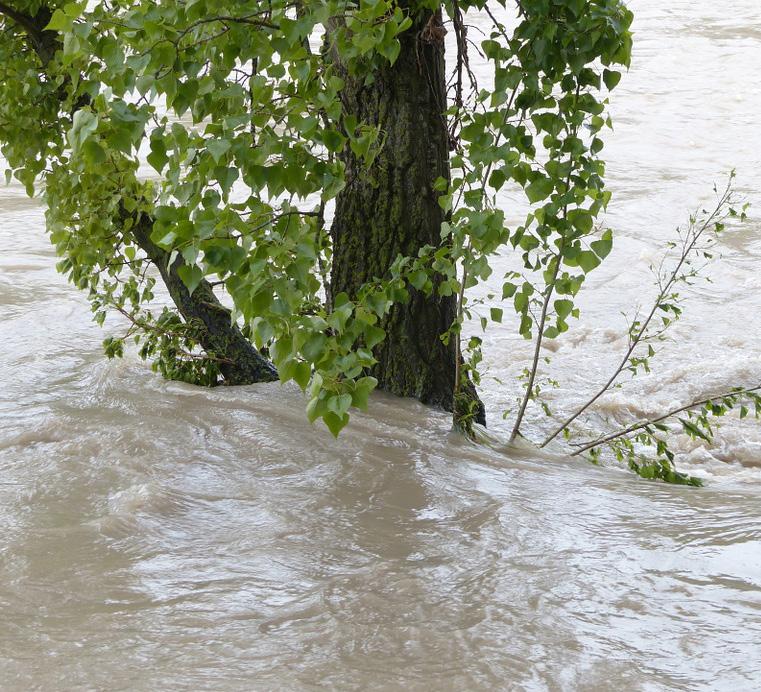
(240, 362)
(388, 210)
(393, 209)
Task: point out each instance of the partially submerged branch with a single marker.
(727, 400)
(240, 361)
(218, 334)
(542, 323)
(640, 332)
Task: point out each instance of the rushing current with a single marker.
(156, 536)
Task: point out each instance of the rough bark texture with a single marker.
(393, 209)
(241, 362)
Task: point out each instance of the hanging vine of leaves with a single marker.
(537, 128)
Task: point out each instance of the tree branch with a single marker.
(635, 427)
(546, 305)
(23, 20)
(638, 338)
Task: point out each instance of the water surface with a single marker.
(157, 536)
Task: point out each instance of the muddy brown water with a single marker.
(156, 536)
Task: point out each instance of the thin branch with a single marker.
(222, 19)
(548, 296)
(458, 340)
(151, 328)
(537, 350)
(688, 248)
(635, 427)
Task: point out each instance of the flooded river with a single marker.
(157, 536)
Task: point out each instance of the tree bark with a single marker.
(392, 208)
(240, 362)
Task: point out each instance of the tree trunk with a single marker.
(393, 209)
(241, 363)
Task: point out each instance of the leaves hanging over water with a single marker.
(237, 108)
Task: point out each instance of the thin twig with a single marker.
(636, 340)
(635, 427)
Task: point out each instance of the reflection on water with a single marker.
(157, 536)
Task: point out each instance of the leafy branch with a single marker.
(667, 301)
(542, 323)
(697, 425)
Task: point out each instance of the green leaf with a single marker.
(563, 308)
(218, 148)
(334, 422)
(588, 261)
(314, 349)
(302, 374)
(158, 157)
(191, 276)
(392, 51)
(59, 22)
(93, 152)
(604, 245)
(85, 122)
(581, 219)
(315, 408)
(339, 403)
(539, 189)
(373, 336)
(333, 140)
(497, 179)
(418, 279)
(611, 78)
(508, 290)
(362, 390)
(693, 430)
